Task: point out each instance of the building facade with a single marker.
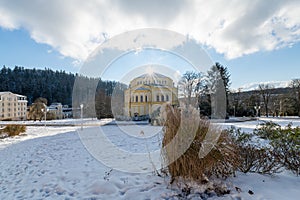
(12, 106)
(147, 93)
(56, 109)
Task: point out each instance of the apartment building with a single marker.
(12, 106)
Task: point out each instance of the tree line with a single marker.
(205, 91)
(57, 86)
(267, 100)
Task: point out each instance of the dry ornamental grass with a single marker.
(185, 136)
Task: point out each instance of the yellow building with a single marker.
(148, 92)
(12, 106)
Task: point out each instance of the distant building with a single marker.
(56, 109)
(67, 111)
(147, 93)
(12, 106)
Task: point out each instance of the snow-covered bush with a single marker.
(285, 143)
(184, 129)
(254, 157)
(283, 149)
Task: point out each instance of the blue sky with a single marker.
(17, 48)
(277, 65)
(257, 41)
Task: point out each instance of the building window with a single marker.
(162, 98)
(142, 98)
(167, 97)
(136, 99)
(146, 98)
(157, 98)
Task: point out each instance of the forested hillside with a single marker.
(55, 86)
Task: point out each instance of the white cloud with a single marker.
(234, 27)
(275, 84)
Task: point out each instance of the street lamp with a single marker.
(44, 110)
(81, 115)
(257, 108)
(234, 110)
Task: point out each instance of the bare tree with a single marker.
(265, 92)
(295, 84)
(190, 85)
(35, 111)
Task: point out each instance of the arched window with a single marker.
(167, 97)
(162, 98)
(157, 98)
(142, 99)
(146, 98)
(136, 99)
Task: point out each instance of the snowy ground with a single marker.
(63, 122)
(53, 163)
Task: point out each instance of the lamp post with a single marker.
(257, 108)
(234, 110)
(81, 115)
(44, 110)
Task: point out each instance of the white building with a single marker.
(12, 106)
(57, 109)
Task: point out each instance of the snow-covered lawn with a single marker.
(61, 122)
(53, 163)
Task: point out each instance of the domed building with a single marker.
(148, 92)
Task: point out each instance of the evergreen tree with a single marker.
(218, 82)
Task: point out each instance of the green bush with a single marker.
(254, 157)
(283, 149)
(13, 130)
(287, 147)
(268, 130)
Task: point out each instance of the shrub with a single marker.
(268, 130)
(259, 160)
(287, 148)
(14, 129)
(193, 149)
(254, 158)
(283, 149)
(51, 116)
